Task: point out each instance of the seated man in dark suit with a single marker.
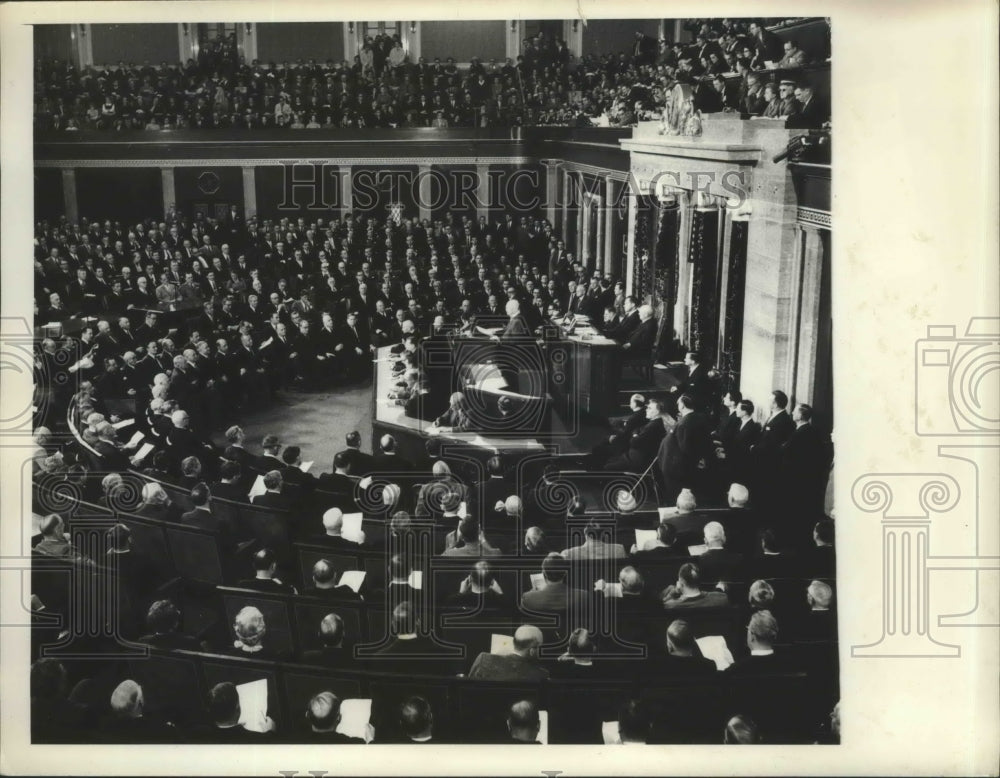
(388, 460)
(163, 619)
(274, 497)
(718, 564)
(639, 344)
(323, 716)
(773, 561)
(820, 622)
(416, 721)
(339, 481)
(129, 721)
(821, 560)
(411, 650)
(333, 527)
(225, 714)
(522, 665)
(644, 443)
(201, 516)
(618, 441)
(335, 648)
(683, 657)
(523, 723)
(555, 595)
(230, 486)
(762, 633)
(358, 463)
(324, 584)
(265, 565)
(292, 472)
(687, 592)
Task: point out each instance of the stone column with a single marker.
(514, 29)
(346, 183)
(483, 191)
(551, 188)
(610, 214)
(84, 45)
(581, 218)
(633, 208)
(246, 39)
(187, 35)
(808, 329)
(573, 35)
(567, 193)
(249, 192)
(682, 307)
(411, 40)
(424, 192)
(168, 190)
(69, 195)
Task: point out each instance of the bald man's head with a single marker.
(527, 640)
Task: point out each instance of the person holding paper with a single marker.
(293, 472)
(340, 531)
(717, 563)
(358, 462)
(329, 584)
(683, 658)
(468, 540)
(324, 718)
(762, 634)
(522, 665)
(555, 594)
(230, 723)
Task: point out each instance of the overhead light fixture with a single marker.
(413, 27)
(249, 28)
(513, 25)
(350, 27)
(576, 25)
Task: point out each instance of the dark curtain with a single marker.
(666, 279)
(732, 335)
(642, 279)
(704, 259)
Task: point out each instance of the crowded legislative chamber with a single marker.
(433, 382)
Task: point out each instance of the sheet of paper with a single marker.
(123, 423)
(145, 451)
(666, 513)
(351, 528)
(416, 579)
(537, 581)
(714, 647)
(354, 718)
(365, 482)
(257, 488)
(543, 728)
(253, 704)
(501, 644)
(353, 579)
(642, 536)
(134, 440)
(304, 467)
(697, 550)
(609, 731)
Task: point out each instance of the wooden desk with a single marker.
(412, 434)
(585, 371)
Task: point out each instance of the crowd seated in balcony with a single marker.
(729, 65)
